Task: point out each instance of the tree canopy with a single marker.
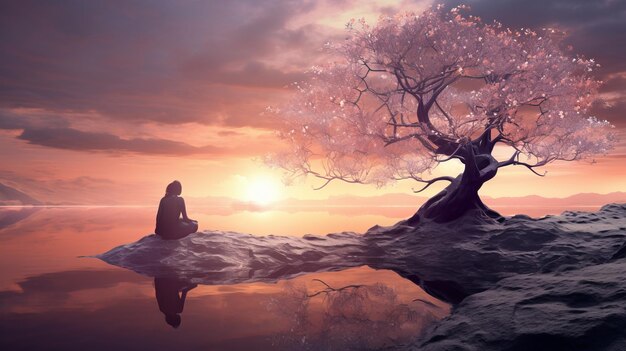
(416, 90)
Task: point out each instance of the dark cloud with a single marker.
(141, 61)
(10, 120)
(72, 139)
(613, 84)
(253, 74)
(612, 111)
(595, 29)
(54, 132)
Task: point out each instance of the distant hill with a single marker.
(400, 204)
(398, 200)
(583, 199)
(404, 205)
(12, 197)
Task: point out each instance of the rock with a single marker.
(581, 309)
(475, 257)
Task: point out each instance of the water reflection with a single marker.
(39, 240)
(50, 299)
(443, 290)
(353, 316)
(357, 309)
(10, 216)
(170, 295)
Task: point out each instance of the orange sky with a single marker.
(107, 103)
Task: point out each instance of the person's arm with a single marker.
(183, 210)
(183, 296)
(159, 212)
(189, 287)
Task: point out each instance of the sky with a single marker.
(105, 102)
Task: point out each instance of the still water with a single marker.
(51, 298)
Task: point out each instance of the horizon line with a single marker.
(269, 208)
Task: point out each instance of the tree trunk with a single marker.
(461, 196)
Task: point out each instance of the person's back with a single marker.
(168, 215)
(169, 225)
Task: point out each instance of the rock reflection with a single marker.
(10, 216)
(354, 317)
(170, 295)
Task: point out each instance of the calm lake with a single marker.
(51, 298)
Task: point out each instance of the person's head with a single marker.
(174, 188)
(173, 320)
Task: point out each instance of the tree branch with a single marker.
(431, 182)
(329, 178)
(453, 155)
(330, 289)
(514, 160)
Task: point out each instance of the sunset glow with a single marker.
(263, 190)
(112, 121)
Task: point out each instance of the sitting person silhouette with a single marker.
(171, 294)
(169, 225)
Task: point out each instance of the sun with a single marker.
(263, 190)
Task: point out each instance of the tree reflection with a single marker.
(349, 317)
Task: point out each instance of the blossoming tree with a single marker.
(414, 91)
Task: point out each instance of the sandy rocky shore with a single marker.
(553, 283)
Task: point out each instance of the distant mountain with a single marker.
(408, 200)
(391, 200)
(578, 200)
(399, 205)
(12, 197)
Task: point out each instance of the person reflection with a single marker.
(171, 294)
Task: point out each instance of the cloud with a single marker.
(614, 83)
(216, 63)
(152, 61)
(614, 111)
(595, 27)
(253, 74)
(54, 132)
(229, 133)
(72, 139)
(10, 120)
